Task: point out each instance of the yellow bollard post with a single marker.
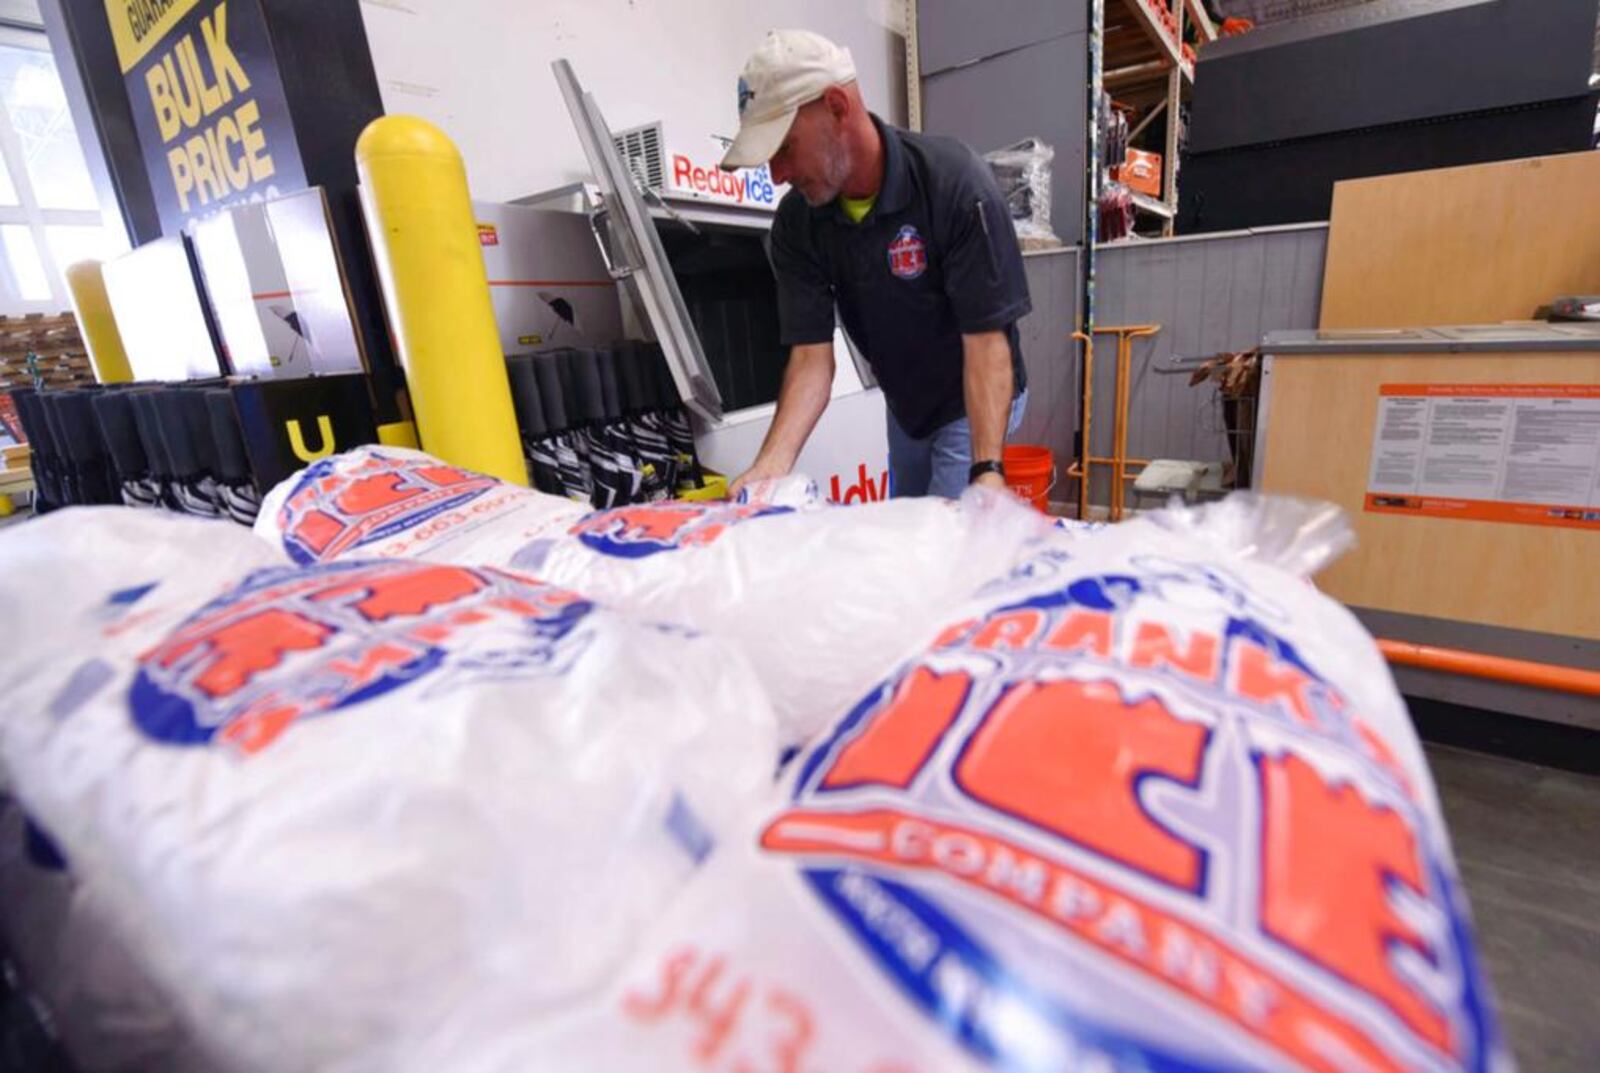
(425, 242)
(399, 434)
(95, 320)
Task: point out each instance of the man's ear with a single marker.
(836, 101)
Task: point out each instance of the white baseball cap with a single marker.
(790, 69)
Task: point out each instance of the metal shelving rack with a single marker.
(1154, 206)
(1146, 64)
(1136, 51)
(1137, 54)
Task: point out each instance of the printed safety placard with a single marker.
(1523, 453)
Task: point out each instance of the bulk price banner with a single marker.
(1520, 453)
(207, 102)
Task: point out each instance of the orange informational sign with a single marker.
(1521, 453)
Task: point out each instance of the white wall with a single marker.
(25, 12)
(480, 69)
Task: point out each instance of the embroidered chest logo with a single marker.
(908, 254)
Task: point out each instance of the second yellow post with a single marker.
(425, 242)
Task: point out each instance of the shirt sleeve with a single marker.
(805, 296)
(983, 275)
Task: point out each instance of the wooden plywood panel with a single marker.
(1471, 245)
(1322, 411)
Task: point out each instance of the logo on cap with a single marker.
(908, 254)
(746, 95)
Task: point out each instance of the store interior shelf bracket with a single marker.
(1162, 29)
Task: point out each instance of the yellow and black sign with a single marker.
(289, 423)
(207, 101)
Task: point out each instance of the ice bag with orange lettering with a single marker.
(1151, 802)
(322, 803)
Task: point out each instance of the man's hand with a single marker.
(991, 480)
(807, 384)
(761, 469)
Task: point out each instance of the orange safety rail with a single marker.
(1495, 668)
(1125, 334)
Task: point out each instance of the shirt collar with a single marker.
(895, 191)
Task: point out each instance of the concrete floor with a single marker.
(1527, 839)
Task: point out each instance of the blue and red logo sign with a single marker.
(639, 531)
(291, 643)
(336, 507)
(908, 254)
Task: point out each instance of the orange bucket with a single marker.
(1031, 473)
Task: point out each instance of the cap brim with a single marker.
(757, 142)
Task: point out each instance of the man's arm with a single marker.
(986, 380)
(807, 387)
(988, 289)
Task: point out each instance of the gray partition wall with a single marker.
(1210, 294)
(1051, 419)
(997, 72)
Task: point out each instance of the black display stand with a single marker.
(285, 81)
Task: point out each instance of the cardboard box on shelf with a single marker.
(1142, 172)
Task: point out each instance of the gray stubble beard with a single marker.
(836, 170)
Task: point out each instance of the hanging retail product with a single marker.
(177, 447)
(604, 425)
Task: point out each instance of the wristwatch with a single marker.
(988, 465)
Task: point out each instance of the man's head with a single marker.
(800, 110)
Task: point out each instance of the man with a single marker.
(909, 236)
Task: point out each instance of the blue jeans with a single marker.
(937, 465)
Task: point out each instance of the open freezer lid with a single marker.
(634, 255)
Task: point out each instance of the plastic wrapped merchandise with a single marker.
(322, 804)
(103, 1009)
(1117, 214)
(1075, 527)
(1149, 803)
(393, 502)
(1023, 172)
(822, 599)
(34, 896)
(75, 584)
(110, 1014)
(794, 490)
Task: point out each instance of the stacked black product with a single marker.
(143, 445)
(1284, 112)
(603, 424)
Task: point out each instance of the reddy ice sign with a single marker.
(698, 178)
